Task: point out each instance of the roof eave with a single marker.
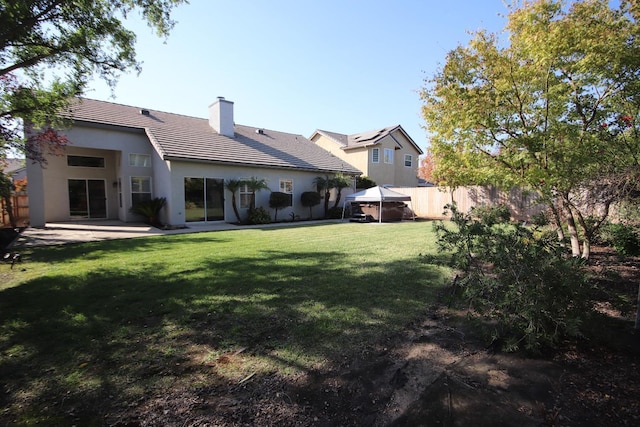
(354, 172)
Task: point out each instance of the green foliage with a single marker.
(623, 237)
(310, 199)
(6, 191)
(339, 182)
(50, 50)
(553, 109)
(490, 215)
(150, 210)
(535, 295)
(540, 219)
(364, 182)
(259, 216)
(233, 185)
(335, 213)
(254, 185)
(279, 200)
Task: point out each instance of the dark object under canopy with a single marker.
(377, 195)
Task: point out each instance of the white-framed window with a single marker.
(375, 155)
(140, 160)
(388, 155)
(140, 189)
(245, 196)
(286, 186)
(408, 160)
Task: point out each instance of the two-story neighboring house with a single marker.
(388, 156)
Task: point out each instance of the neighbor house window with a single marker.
(408, 160)
(375, 155)
(388, 155)
(245, 196)
(286, 186)
(85, 161)
(140, 160)
(140, 189)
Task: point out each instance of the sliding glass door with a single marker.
(203, 199)
(87, 198)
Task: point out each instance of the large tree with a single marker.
(551, 105)
(50, 50)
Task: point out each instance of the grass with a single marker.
(113, 321)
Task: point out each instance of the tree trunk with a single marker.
(557, 221)
(8, 207)
(327, 195)
(573, 233)
(638, 311)
(235, 207)
(586, 248)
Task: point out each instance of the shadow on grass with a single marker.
(95, 250)
(80, 348)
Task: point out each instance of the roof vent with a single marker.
(260, 131)
(144, 112)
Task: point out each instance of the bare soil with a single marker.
(439, 372)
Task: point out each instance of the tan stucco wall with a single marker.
(396, 174)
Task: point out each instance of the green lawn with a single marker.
(113, 321)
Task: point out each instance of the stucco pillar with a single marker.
(35, 190)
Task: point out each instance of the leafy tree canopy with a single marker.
(50, 49)
(552, 107)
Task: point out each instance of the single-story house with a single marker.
(119, 155)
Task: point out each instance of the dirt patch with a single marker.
(434, 374)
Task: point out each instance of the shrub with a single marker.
(364, 182)
(279, 200)
(490, 215)
(259, 216)
(524, 284)
(624, 238)
(150, 210)
(540, 219)
(309, 199)
(335, 212)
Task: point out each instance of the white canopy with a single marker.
(376, 195)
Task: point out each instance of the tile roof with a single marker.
(364, 139)
(179, 137)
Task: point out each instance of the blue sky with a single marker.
(295, 66)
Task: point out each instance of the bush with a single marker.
(335, 213)
(523, 284)
(364, 182)
(490, 215)
(279, 200)
(150, 210)
(624, 239)
(259, 216)
(309, 199)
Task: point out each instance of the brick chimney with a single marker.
(221, 116)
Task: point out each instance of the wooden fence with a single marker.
(429, 202)
(20, 204)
